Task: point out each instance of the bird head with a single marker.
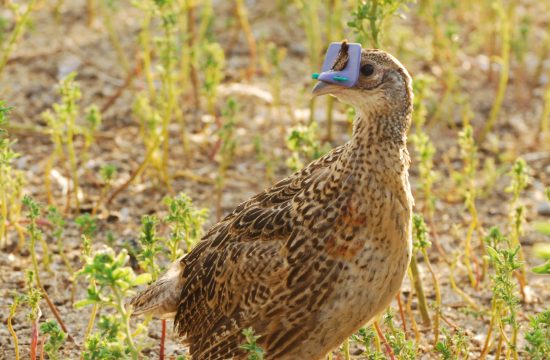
(383, 87)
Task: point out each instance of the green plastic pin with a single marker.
(315, 76)
(340, 78)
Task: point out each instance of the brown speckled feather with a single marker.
(241, 263)
(311, 259)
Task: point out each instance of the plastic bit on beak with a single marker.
(340, 78)
(346, 77)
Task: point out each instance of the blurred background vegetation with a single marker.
(123, 121)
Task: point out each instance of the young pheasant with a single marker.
(310, 260)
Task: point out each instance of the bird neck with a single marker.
(372, 129)
(377, 154)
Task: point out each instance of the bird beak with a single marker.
(322, 88)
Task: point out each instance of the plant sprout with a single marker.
(21, 16)
(504, 15)
(255, 352)
(11, 182)
(150, 244)
(185, 221)
(538, 336)
(468, 154)
(111, 283)
(305, 146)
(520, 179)
(375, 13)
(56, 338)
(63, 128)
(17, 299)
(503, 257)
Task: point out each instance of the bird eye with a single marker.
(367, 69)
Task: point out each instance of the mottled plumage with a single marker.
(316, 256)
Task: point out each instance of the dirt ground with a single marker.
(52, 48)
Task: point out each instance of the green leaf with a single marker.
(492, 253)
(542, 227)
(142, 279)
(543, 269)
(84, 302)
(542, 250)
(120, 273)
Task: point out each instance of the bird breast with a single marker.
(373, 239)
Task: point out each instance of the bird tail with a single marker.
(161, 298)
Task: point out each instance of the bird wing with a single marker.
(241, 269)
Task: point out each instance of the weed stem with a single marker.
(504, 16)
(417, 282)
(13, 308)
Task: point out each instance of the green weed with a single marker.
(503, 257)
(107, 173)
(11, 183)
(366, 336)
(32, 299)
(271, 63)
(17, 299)
(107, 9)
(63, 129)
(305, 146)
(424, 148)
(266, 157)
(369, 18)
(520, 179)
(255, 352)
(542, 251)
(150, 245)
(34, 211)
(467, 185)
(214, 64)
(538, 336)
(56, 338)
(111, 282)
(422, 243)
(57, 228)
(228, 145)
(504, 13)
(21, 14)
(402, 347)
(454, 346)
(185, 222)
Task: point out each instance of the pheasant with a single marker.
(310, 260)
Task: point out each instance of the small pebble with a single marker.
(543, 208)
